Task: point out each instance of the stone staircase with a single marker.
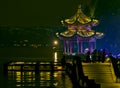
(102, 73)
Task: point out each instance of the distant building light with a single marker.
(55, 42)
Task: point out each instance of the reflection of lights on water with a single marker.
(44, 75)
(18, 79)
(18, 73)
(55, 84)
(59, 67)
(48, 73)
(55, 57)
(18, 85)
(55, 74)
(29, 79)
(29, 73)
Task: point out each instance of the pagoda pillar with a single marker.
(70, 46)
(65, 46)
(91, 46)
(95, 45)
(78, 48)
(81, 47)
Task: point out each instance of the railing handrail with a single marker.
(115, 65)
(84, 79)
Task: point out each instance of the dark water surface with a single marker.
(45, 79)
(28, 79)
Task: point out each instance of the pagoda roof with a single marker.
(80, 25)
(78, 18)
(81, 33)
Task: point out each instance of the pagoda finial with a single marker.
(79, 6)
(79, 19)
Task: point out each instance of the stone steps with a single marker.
(102, 73)
(110, 85)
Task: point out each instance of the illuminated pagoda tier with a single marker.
(78, 33)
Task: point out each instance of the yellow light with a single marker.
(18, 73)
(55, 42)
(59, 67)
(55, 74)
(18, 85)
(55, 57)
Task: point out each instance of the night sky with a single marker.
(35, 13)
(50, 12)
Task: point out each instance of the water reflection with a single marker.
(45, 79)
(55, 56)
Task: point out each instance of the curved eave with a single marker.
(67, 35)
(99, 35)
(85, 33)
(93, 22)
(79, 17)
(81, 33)
(80, 21)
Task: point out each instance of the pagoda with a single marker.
(79, 35)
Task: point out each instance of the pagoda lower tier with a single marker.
(78, 45)
(79, 35)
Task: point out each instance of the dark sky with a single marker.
(48, 12)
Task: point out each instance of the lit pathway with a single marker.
(102, 73)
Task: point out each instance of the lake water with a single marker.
(28, 79)
(45, 79)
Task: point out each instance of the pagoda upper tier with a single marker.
(80, 25)
(79, 19)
